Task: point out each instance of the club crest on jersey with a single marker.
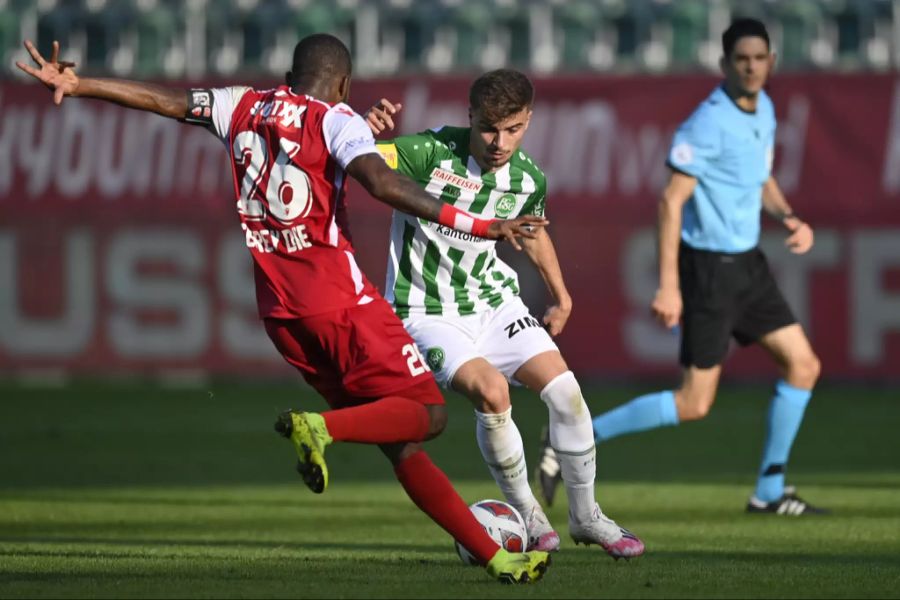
(504, 205)
(288, 113)
(435, 358)
(464, 183)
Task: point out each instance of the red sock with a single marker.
(389, 420)
(432, 492)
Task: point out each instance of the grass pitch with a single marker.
(126, 490)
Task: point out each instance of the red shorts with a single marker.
(356, 355)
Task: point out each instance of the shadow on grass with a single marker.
(293, 547)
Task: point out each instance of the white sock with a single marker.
(503, 451)
(572, 436)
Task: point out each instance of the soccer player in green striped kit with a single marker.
(461, 303)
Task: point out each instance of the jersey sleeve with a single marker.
(537, 202)
(697, 142)
(412, 155)
(213, 108)
(346, 135)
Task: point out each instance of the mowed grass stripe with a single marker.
(120, 490)
(366, 540)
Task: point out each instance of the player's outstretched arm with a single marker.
(405, 195)
(801, 236)
(61, 79)
(542, 254)
(667, 305)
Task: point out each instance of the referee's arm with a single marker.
(667, 304)
(801, 238)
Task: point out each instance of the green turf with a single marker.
(137, 491)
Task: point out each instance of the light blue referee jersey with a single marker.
(730, 152)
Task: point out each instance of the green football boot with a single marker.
(310, 437)
(518, 567)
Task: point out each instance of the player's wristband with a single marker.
(789, 215)
(456, 219)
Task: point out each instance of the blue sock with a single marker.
(783, 421)
(645, 412)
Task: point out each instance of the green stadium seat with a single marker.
(578, 23)
(799, 23)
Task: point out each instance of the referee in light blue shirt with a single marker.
(712, 276)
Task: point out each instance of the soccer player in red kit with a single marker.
(290, 150)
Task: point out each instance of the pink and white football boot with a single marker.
(541, 535)
(600, 529)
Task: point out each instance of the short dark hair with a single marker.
(501, 93)
(741, 28)
(321, 55)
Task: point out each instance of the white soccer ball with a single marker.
(502, 522)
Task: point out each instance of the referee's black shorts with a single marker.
(726, 295)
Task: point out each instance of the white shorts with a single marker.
(506, 336)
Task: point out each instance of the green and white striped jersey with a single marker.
(435, 270)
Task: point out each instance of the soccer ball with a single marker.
(502, 522)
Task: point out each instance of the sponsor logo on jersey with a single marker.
(521, 325)
(435, 358)
(389, 154)
(456, 234)
(504, 205)
(439, 174)
(285, 110)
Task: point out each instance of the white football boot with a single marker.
(600, 529)
(541, 535)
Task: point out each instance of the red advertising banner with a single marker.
(120, 249)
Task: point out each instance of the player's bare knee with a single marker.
(492, 394)
(693, 405)
(397, 453)
(437, 415)
(803, 372)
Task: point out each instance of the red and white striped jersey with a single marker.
(288, 155)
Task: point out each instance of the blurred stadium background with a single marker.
(122, 265)
(197, 38)
(119, 250)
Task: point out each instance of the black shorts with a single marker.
(726, 295)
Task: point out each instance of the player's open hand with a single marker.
(58, 76)
(380, 116)
(509, 230)
(667, 306)
(556, 317)
(801, 238)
